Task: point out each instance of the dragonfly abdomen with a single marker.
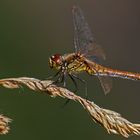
(95, 69)
(120, 74)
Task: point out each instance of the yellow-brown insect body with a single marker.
(76, 63)
(71, 63)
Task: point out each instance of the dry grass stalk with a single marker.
(4, 128)
(110, 120)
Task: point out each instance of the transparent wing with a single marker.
(84, 43)
(106, 83)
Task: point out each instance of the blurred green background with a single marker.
(33, 30)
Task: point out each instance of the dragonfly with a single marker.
(87, 57)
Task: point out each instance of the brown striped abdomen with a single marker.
(121, 74)
(104, 71)
(99, 70)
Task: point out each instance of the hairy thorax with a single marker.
(78, 63)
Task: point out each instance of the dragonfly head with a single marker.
(56, 61)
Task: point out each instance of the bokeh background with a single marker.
(31, 31)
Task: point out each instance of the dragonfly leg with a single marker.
(21, 89)
(64, 84)
(60, 78)
(66, 102)
(82, 80)
(73, 80)
(64, 78)
(55, 75)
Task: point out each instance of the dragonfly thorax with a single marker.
(56, 61)
(69, 63)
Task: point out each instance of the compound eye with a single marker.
(57, 58)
